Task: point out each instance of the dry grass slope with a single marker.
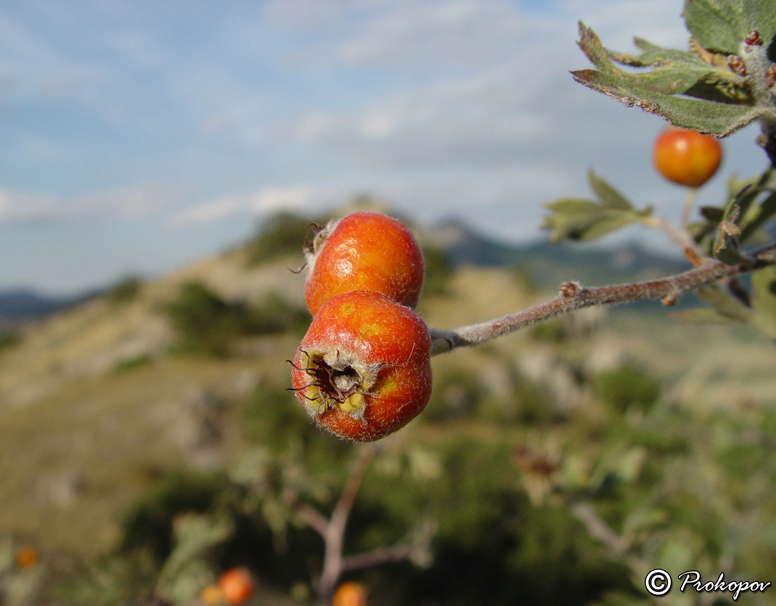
(81, 440)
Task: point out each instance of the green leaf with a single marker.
(691, 89)
(764, 299)
(757, 217)
(725, 305)
(700, 316)
(674, 71)
(722, 25)
(583, 219)
(726, 246)
(610, 197)
(721, 119)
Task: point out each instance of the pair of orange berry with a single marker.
(234, 588)
(363, 369)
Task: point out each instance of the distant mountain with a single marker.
(549, 265)
(544, 264)
(22, 306)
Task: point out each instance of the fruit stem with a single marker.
(573, 297)
(689, 202)
(679, 236)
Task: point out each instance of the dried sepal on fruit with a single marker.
(363, 251)
(363, 370)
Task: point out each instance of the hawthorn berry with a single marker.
(686, 156)
(350, 593)
(237, 586)
(26, 557)
(364, 251)
(363, 370)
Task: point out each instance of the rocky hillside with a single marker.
(98, 401)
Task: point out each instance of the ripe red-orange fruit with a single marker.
(364, 251)
(363, 370)
(350, 593)
(212, 595)
(236, 585)
(686, 156)
(26, 556)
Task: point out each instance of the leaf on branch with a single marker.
(721, 25)
(750, 204)
(754, 216)
(692, 90)
(725, 305)
(726, 243)
(764, 299)
(585, 219)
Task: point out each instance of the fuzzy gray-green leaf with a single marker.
(722, 25)
(720, 119)
(724, 304)
(764, 299)
(608, 195)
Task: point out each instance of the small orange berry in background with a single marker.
(350, 593)
(212, 595)
(237, 586)
(686, 156)
(26, 557)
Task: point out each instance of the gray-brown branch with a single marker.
(573, 297)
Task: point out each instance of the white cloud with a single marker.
(21, 208)
(134, 201)
(264, 201)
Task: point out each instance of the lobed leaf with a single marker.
(609, 196)
(725, 305)
(764, 299)
(722, 25)
(583, 219)
(691, 89)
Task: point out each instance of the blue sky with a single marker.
(138, 136)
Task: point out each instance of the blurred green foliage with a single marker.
(125, 290)
(279, 235)
(207, 324)
(627, 386)
(10, 339)
(439, 269)
(130, 364)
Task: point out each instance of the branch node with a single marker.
(570, 290)
(670, 300)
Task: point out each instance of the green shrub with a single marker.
(8, 340)
(281, 234)
(274, 315)
(207, 324)
(148, 525)
(204, 322)
(439, 271)
(125, 290)
(627, 386)
(132, 363)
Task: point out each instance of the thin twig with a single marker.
(309, 515)
(573, 297)
(679, 236)
(335, 529)
(417, 550)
